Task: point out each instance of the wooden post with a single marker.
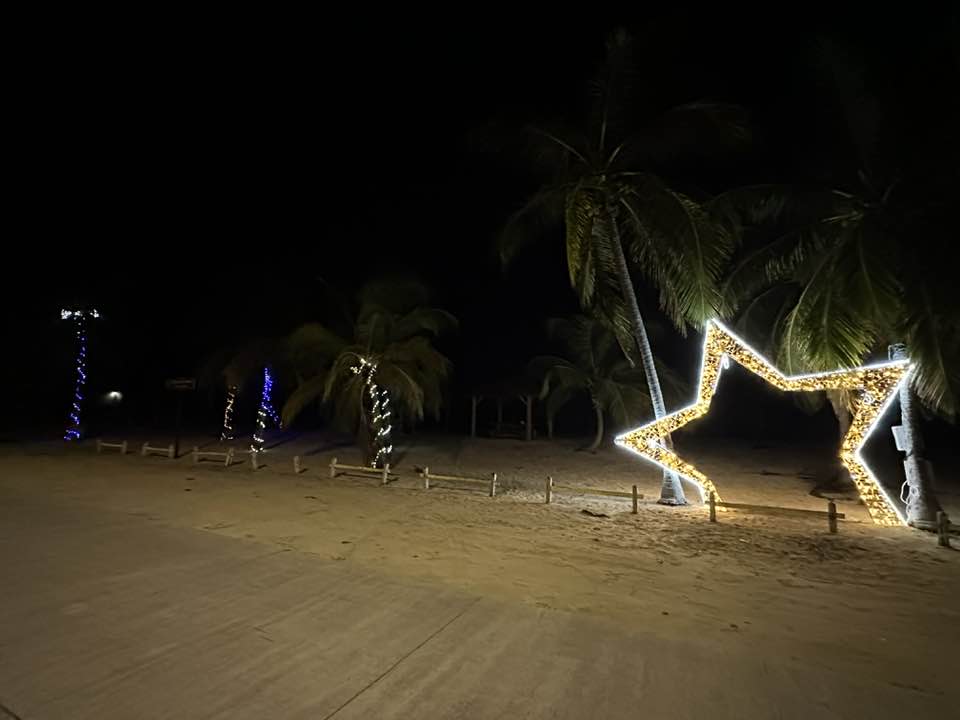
(296, 464)
(253, 460)
(636, 499)
(713, 506)
(170, 452)
(196, 454)
(229, 459)
(386, 473)
(529, 418)
(99, 446)
(473, 416)
(549, 489)
(493, 485)
(333, 468)
(426, 478)
(943, 529)
(143, 450)
(123, 448)
(832, 516)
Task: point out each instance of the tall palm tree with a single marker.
(383, 369)
(592, 363)
(857, 268)
(603, 184)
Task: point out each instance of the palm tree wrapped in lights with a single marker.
(379, 365)
(375, 412)
(265, 412)
(79, 318)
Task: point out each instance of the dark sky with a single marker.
(194, 177)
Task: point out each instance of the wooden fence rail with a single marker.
(830, 513)
(225, 456)
(490, 483)
(383, 472)
(121, 446)
(148, 449)
(550, 487)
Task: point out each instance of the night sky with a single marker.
(196, 178)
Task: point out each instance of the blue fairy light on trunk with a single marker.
(79, 318)
(265, 411)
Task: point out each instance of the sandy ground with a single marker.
(868, 618)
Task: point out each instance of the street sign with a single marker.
(181, 384)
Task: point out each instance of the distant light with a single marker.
(113, 397)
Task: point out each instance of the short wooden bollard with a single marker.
(832, 516)
(386, 474)
(333, 468)
(493, 485)
(296, 465)
(636, 500)
(943, 529)
(713, 507)
(549, 489)
(253, 460)
(426, 478)
(196, 454)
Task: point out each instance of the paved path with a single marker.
(107, 615)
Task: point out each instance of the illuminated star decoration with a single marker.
(79, 319)
(874, 387)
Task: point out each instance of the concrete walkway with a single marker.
(108, 615)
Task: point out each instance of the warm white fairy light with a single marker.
(876, 386)
(379, 399)
(227, 432)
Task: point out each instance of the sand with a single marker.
(879, 605)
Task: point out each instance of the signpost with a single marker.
(180, 386)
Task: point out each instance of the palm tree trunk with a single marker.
(671, 491)
(838, 402)
(226, 432)
(922, 503)
(598, 438)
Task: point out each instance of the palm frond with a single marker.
(313, 346)
(541, 216)
(580, 222)
(309, 391)
(933, 340)
(692, 131)
(679, 247)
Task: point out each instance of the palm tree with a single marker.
(592, 363)
(383, 369)
(234, 366)
(602, 183)
(855, 269)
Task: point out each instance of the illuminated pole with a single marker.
(79, 321)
